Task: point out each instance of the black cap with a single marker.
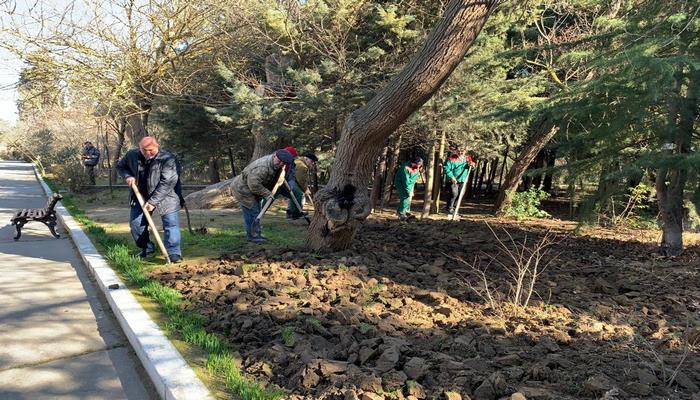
(417, 160)
(311, 156)
(285, 156)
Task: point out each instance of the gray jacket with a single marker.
(164, 189)
(256, 181)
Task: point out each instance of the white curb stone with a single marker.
(171, 375)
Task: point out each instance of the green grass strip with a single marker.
(190, 325)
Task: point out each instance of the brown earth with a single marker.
(395, 317)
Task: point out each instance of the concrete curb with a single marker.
(171, 375)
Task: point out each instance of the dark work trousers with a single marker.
(90, 169)
(455, 188)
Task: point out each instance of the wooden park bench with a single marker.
(46, 216)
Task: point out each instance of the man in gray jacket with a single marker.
(157, 175)
(254, 185)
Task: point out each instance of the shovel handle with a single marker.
(150, 222)
(296, 202)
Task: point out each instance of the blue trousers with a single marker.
(249, 215)
(171, 226)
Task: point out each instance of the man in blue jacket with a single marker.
(157, 176)
(90, 156)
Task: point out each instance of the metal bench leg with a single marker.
(52, 227)
(18, 227)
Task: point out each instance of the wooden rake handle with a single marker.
(150, 222)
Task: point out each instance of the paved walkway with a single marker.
(58, 338)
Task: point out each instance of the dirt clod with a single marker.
(394, 315)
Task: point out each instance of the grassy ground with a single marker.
(225, 230)
(104, 215)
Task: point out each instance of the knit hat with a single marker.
(292, 151)
(417, 160)
(285, 156)
(311, 156)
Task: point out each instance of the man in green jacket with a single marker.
(404, 181)
(456, 173)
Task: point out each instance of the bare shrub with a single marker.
(523, 262)
(72, 174)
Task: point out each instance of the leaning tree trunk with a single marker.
(544, 133)
(344, 201)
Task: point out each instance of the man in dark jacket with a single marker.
(157, 175)
(90, 156)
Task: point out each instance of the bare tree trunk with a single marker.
(480, 183)
(503, 168)
(378, 175)
(670, 181)
(137, 120)
(261, 145)
(471, 181)
(214, 175)
(391, 169)
(344, 202)
(106, 157)
(233, 163)
(120, 127)
(439, 165)
(544, 133)
(430, 177)
(492, 176)
(550, 159)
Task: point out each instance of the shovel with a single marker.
(296, 202)
(461, 195)
(280, 181)
(150, 222)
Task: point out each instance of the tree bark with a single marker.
(471, 180)
(218, 195)
(261, 146)
(543, 134)
(391, 170)
(344, 202)
(671, 178)
(214, 175)
(120, 128)
(233, 163)
(492, 176)
(503, 168)
(137, 120)
(378, 176)
(550, 159)
(439, 165)
(535, 181)
(482, 174)
(430, 177)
